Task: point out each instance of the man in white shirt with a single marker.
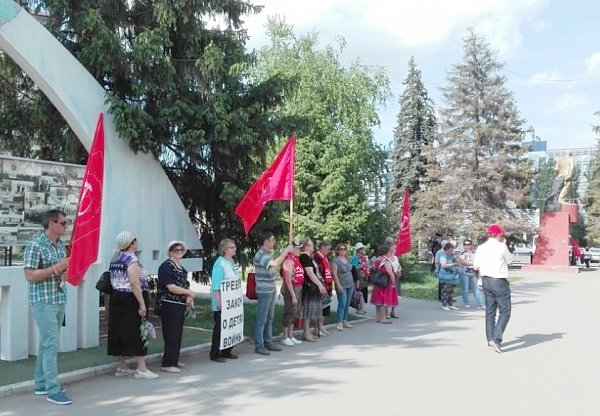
(491, 260)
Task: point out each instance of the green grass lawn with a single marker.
(196, 331)
(420, 283)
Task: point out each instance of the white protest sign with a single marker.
(232, 313)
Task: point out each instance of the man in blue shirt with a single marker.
(45, 264)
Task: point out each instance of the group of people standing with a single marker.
(486, 269)
(309, 277)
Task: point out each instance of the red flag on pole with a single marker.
(275, 184)
(403, 240)
(86, 230)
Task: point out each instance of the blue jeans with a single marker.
(497, 296)
(265, 312)
(49, 319)
(344, 297)
(469, 281)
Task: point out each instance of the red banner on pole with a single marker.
(275, 184)
(86, 230)
(403, 240)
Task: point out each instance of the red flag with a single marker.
(403, 240)
(86, 230)
(275, 184)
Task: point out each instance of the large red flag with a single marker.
(403, 240)
(275, 184)
(86, 230)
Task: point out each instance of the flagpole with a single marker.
(291, 237)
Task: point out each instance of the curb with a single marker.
(85, 373)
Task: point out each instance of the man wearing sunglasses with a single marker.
(45, 263)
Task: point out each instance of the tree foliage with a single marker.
(592, 196)
(338, 165)
(176, 76)
(480, 173)
(414, 134)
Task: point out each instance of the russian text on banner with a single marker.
(232, 313)
(86, 230)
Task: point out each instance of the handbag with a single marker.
(380, 278)
(251, 286)
(357, 300)
(103, 284)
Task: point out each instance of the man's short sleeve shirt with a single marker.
(42, 253)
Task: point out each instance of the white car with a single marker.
(595, 252)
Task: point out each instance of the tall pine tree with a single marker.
(413, 135)
(481, 174)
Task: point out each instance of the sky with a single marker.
(551, 51)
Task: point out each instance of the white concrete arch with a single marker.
(138, 195)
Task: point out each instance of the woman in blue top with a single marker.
(448, 275)
(173, 296)
(223, 269)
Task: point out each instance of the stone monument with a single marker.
(552, 248)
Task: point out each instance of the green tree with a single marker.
(178, 88)
(339, 168)
(592, 197)
(542, 182)
(415, 133)
(480, 173)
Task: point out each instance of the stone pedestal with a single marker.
(552, 248)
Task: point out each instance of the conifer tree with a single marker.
(592, 197)
(413, 135)
(481, 174)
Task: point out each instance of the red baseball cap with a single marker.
(495, 229)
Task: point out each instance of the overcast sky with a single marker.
(551, 50)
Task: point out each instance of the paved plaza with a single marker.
(429, 362)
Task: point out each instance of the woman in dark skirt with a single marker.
(128, 305)
(312, 291)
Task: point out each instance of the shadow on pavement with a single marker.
(530, 340)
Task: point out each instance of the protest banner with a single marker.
(232, 313)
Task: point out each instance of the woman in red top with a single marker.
(384, 297)
(293, 279)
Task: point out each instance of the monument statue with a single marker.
(565, 173)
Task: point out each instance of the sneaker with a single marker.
(495, 347)
(454, 308)
(324, 331)
(347, 325)
(180, 364)
(122, 372)
(218, 359)
(287, 342)
(340, 326)
(145, 375)
(230, 356)
(467, 306)
(445, 308)
(59, 398)
(273, 347)
(296, 341)
(262, 351)
(170, 369)
(481, 307)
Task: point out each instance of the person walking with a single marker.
(128, 307)
(341, 269)
(448, 276)
(491, 260)
(265, 269)
(223, 269)
(173, 296)
(468, 276)
(292, 273)
(45, 264)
